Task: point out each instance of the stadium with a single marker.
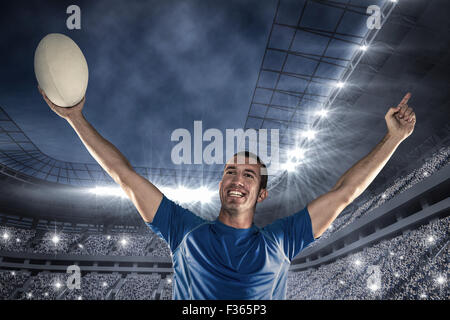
(315, 72)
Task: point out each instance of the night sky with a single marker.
(154, 66)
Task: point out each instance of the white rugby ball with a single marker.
(61, 69)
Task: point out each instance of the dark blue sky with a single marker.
(154, 66)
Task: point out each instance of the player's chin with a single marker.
(235, 203)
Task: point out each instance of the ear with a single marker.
(263, 193)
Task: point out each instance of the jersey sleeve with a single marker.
(172, 222)
(292, 233)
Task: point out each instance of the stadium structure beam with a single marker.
(299, 75)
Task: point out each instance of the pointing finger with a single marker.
(405, 99)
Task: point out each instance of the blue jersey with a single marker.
(214, 261)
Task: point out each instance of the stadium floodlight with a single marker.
(373, 287)
(310, 134)
(297, 154)
(183, 194)
(340, 84)
(55, 239)
(321, 113)
(289, 166)
(207, 194)
(5, 236)
(180, 194)
(108, 191)
(440, 279)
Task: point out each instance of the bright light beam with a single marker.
(180, 194)
(363, 48)
(310, 134)
(289, 166)
(108, 191)
(297, 153)
(187, 195)
(340, 84)
(321, 113)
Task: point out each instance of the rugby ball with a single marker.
(61, 69)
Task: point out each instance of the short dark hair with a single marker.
(263, 173)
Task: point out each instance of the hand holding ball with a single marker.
(61, 71)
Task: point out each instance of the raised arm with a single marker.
(145, 196)
(324, 210)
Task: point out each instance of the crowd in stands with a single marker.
(15, 239)
(161, 249)
(94, 244)
(56, 243)
(10, 281)
(45, 286)
(25, 240)
(166, 292)
(94, 286)
(139, 287)
(414, 265)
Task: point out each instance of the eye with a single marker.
(248, 175)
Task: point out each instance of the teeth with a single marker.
(235, 193)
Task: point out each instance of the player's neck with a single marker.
(241, 220)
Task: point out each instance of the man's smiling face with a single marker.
(240, 185)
